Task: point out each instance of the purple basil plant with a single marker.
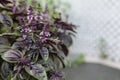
(32, 42)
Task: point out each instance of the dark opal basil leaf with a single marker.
(59, 61)
(64, 49)
(64, 25)
(5, 1)
(54, 78)
(5, 20)
(67, 40)
(48, 65)
(5, 70)
(18, 45)
(12, 56)
(4, 48)
(57, 75)
(53, 44)
(4, 41)
(44, 53)
(4, 45)
(37, 71)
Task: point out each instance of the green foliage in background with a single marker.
(58, 5)
(79, 60)
(102, 48)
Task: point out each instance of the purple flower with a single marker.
(30, 10)
(30, 15)
(45, 33)
(45, 16)
(21, 21)
(33, 28)
(26, 30)
(43, 39)
(24, 36)
(30, 18)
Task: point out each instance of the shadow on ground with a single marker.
(89, 71)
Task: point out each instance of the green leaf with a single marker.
(12, 79)
(10, 75)
(5, 20)
(37, 71)
(12, 56)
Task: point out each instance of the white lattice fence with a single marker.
(96, 18)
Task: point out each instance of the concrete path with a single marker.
(92, 71)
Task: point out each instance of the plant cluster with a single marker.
(32, 42)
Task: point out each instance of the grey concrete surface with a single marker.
(90, 71)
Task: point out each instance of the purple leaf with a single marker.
(4, 48)
(66, 39)
(57, 75)
(18, 45)
(64, 49)
(6, 20)
(3, 41)
(5, 70)
(44, 53)
(37, 71)
(54, 78)
(12, 56)
(5, 1)
(4, 45)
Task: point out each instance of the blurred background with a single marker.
(99, 28)
(96, 47)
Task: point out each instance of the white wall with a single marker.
(96, 19)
